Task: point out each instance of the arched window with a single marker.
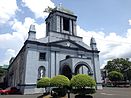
(41, 72)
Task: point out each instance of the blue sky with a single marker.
(108, 21)
(110, 15)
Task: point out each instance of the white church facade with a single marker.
(60, 52)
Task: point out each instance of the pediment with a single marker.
(70, 44)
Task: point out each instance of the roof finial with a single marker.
(32, 28)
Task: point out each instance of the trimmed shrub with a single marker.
(82, 81)
(43, 82)
(60, 81)
(82, 84)
(115, 76)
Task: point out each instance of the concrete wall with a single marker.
(97, 71)
(31, 75)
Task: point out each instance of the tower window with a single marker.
(42, 56)
(65, 24)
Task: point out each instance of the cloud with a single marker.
(22, 28)
(7, 10)
(129, 21)
(40, 30)
(8, 54)
(38, 6)
(111, 46)
(13, 41)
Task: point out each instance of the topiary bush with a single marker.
(44, 83)
(83, 84)
(60, 81)
(82, 81)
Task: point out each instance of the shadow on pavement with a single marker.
(42, 96)
(83, 96)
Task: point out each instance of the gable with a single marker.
(70, 44)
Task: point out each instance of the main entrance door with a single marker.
(66, 71)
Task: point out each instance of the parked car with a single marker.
(9, 90)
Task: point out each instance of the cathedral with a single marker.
(61, 51)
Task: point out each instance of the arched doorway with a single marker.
(66, 71)
(83, 68)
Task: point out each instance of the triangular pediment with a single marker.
(70, 44)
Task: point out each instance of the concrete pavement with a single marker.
(105, 93)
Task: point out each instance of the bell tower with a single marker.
(61, 23)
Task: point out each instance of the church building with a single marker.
(61, 51)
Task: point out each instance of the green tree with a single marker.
(2, 71)
(115, 76)
(120, 65)
(43, 83)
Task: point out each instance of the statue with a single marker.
(41, 73)
(48, 9)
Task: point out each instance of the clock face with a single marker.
(68, 44)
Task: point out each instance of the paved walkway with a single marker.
(113, 93)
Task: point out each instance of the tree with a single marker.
(120, 65)
(115, 76)
(2, 71)
(44, 83)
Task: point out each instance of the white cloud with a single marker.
(40, 30)
(38, 6)
(12, 42)
(8, 54)
(129, 21)
(7, 10)
(111, 46)
(22, 28)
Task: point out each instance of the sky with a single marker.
(108, 21)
